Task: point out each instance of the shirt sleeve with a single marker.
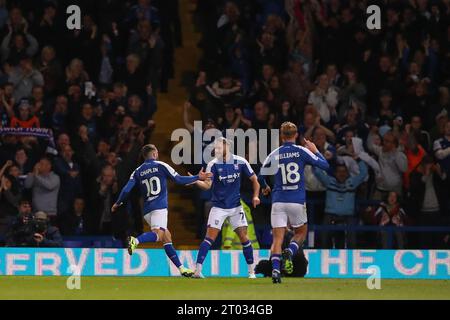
(315, 160)
(247, 169)
(172, 174)
(127, 189)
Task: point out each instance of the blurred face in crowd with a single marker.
(332, 71)
(25, 208)
(45, 166)
(392, 198)
(229, 114)
(267, 72)
(48, 54)
(261, 111)
(19, 42)
(389, 142)
(144, 3)
(9, 90)
(351, 75)
(63, 141)
(74, 92)
(231, 11)
(275, 83)
(103, 148)
(67, 153)
(416, 123)
(24, 113)
(347, 16)
(78, 206)
(414, 69)
(309, 119)
(132, 63)
(385, 64)
(112, 159)
(297, 67)
(341, 173)
(320, 137)
(108, 175)
(349, 135)
(21, 157)
(267, 40)
(26, 65)
(38, 93)
(16, 17)
(76, 68)
(14, 171)
(386, 101)
(420, 89)
(87, 112)
(352, 116)
(144, 29)
(127, 123)
(61, 105)
(50, 11)
(392, 17)
(226, 82)
(285, 107)
(323, 82)
(134, 103)
(209, 124)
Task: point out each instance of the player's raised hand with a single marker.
(256, 202)
(311, 146)
(202, 175)
(114, 207)
(266, 191)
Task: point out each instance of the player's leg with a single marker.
(239, 224)
(173, 256)
(247, 250)
(154, 235)
(298, 219)
(275, 250)
(215, 221)
(279, 222)
(211, 236)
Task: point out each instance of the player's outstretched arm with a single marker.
(124, 193)
(315, 158)
(203, 184)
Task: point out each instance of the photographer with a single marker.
(34, 231)
(17, 232)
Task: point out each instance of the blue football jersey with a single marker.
(151, 178)
(226, 181)
(287, 163)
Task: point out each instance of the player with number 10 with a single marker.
(151, 177)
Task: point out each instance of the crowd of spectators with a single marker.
(96, 89)
(375, 102)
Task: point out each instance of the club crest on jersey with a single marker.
(236, 167)
(219, 169)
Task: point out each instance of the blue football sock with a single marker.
(148, 237)
(172, 254)
(276, 258)
(293, 248)
(203, 250)
(247, 249)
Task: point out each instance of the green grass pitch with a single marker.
(18, 287)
